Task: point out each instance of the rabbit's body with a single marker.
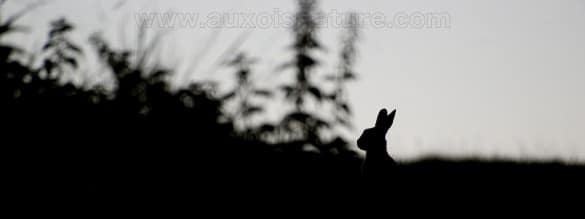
(377, 164)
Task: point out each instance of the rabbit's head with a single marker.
(374, 139)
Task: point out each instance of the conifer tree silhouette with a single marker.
(304, 127)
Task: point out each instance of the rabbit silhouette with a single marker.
(373, 141)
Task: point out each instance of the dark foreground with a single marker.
(119, 177)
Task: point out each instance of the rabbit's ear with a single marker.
(390, 120)
(381, 120)
(386, 123)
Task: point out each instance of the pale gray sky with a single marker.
(506, 78)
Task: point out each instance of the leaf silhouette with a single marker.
(263, 93)
(230, 95)
(70, 61)
(316, 92)
(251, 110)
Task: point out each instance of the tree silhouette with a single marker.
(345, 73)
(243, 94)
(303, 126)
(61, 52)
(341, 111)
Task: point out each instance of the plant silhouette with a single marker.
(244, 94)
(303, 126)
